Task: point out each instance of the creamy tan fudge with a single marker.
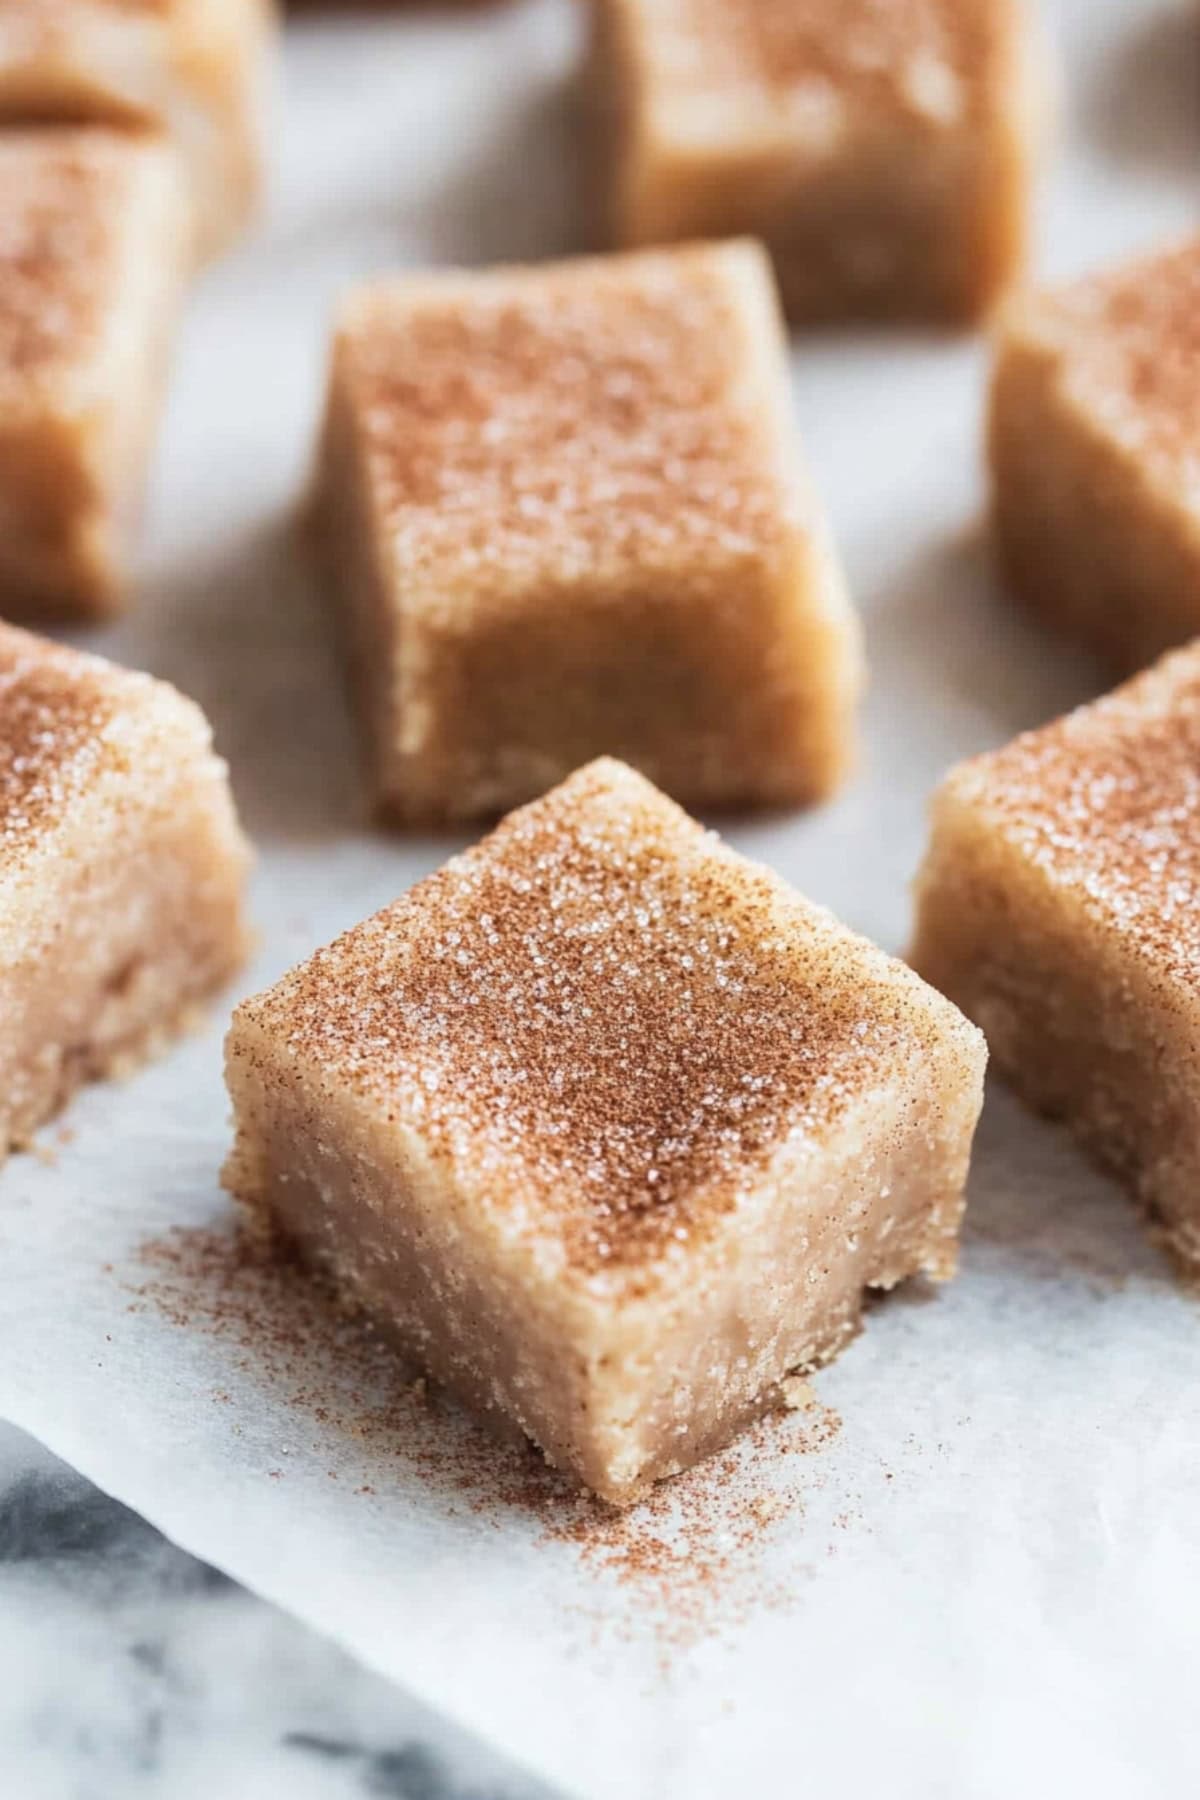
(882, 148)
(121, 872)
(197, 69)
(1060, 907)
(1094, 440)
(565, 516)
(93, 248)
(608, 1127)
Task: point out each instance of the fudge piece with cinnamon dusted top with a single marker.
(608, 1127)
(565, 516)
(881, 148)
(93, 255)
(121, 872)
(1060, 907)
(1094, 440)
(196, 69)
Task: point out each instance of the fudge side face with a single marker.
(608, 1127)
(197, 69)
(1094, 441)
(93, 247)
(882, 149)
(565, 516)
(1058, 908)
(121, 872)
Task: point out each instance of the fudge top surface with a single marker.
(603, 1021)
(1127, 344)
(597, 421)
(927, 59)
(65, 197)
(1106, 802)
(68, 720)
(31, 25)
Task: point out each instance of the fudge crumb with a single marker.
(797, 1394)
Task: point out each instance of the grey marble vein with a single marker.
(130, 1671)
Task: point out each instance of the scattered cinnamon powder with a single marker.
(694, 1555)
(694, 1551)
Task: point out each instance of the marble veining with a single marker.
(130, 1671)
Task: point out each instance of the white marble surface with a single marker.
(130, 1671)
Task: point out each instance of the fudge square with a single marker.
(121, 872)
(608, 1127)
(1094, 441)
(93, 256)
(1059, 905)
(196, 69)
(565, 517)
(882, 148)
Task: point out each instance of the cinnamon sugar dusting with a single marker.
(33, 11)
(1107, 802)
(62, 724)
(34, 34)
(61, 197)
(695, 1557)
(928, 57)
(602, 1019)
(1129, 344)
(578, 419)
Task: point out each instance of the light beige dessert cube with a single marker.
(883, 149)
(608, 1127)
(1094, 441)
(93, 254)
(1059, 906)
(197, 69)
(121, 872)
(565, 516)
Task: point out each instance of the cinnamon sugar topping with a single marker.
(1129, 344)
(604, 1019)
(920, 56)
(22, 11)
(1107, 802)
(584, 418)
(32, 31)
(61, 198)
(62, 723)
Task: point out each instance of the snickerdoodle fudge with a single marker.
(121, 872)
(565, 516)
(883, 149)
(93, 258)
(607, 1127)
(1094, 441)
(1059, 906)
(196, 69)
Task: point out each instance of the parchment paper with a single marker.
(981, 1582)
